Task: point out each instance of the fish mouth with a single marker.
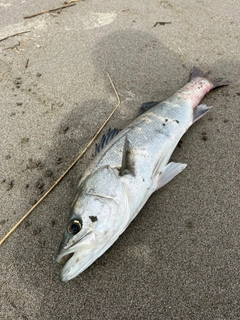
(66, 254)
(75, 258)
(63, 260)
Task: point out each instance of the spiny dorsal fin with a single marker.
(105, 140)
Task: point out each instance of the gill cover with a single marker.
(101, 213)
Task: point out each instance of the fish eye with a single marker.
(74, 226)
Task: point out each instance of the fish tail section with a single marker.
(220, 82)
(198, 73)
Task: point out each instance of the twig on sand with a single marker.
(13, 35)
(50, 10)
(27, 62)
(72, 1)
(70, 167)
(161, 23)
(2, 74)
(14, 46)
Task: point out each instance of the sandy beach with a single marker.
(179, 259)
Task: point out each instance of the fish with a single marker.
(129, 165)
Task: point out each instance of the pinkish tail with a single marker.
(219, 82)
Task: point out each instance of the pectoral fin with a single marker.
(168, 173)
(127, 159)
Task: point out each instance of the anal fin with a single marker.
(168, 173)
(199, 111)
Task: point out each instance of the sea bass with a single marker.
(128, 167)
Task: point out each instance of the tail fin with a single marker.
(196, 72)
(219, 82)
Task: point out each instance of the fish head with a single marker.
(98, 215)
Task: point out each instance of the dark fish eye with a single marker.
(74, 226)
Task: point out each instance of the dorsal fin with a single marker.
(105, 140)
(147, 106)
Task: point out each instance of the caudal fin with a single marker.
(219, 82)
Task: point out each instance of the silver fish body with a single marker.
(126, 172)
